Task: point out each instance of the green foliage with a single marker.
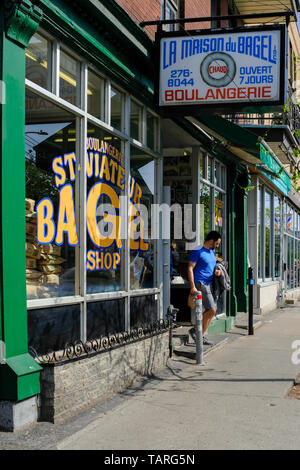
(40, 184)
(295, 178)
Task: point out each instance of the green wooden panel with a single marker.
(13, 201)
(19, 377)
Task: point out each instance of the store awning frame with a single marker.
(238, 140)
(249, 147)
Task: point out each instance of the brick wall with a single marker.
(151, 10)
(142, 11)
(71, 387)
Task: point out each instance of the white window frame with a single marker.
(82, 117)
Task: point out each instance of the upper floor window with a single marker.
(170, 11)
(215, 6)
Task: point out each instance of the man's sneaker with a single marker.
(206, 342)
(192, 333)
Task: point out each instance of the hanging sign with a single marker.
(237, 68)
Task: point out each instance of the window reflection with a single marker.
(117, 99)
(106, 174)
(95, 95)
(69, 79)
(136, 121)
(152, 131)
(38, 61)
(142, 189)
(49, 132)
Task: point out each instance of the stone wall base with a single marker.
(15, 416)
(71, 387)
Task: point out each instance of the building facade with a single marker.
(85, 290)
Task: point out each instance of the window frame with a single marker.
(82, 118)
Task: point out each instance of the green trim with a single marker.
(235, 134)
(231, 217)
(217, 326)
(22, 20)
(221, 325)
(19, 376)
(241, 249)
(93, 34)
(282, 180)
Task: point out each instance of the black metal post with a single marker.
(202, 19)
(251, 284)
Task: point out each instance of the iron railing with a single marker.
(289, 116)
(105, 343)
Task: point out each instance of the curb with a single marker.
(256, 325)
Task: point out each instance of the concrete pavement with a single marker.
(237, 400)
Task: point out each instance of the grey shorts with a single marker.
(208, 301)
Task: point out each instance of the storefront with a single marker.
(71, 282)
(273, 236)
(82, 255)
(194, 177)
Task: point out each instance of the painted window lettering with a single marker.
(104, 220)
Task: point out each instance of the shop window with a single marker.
(152, 131)
(223, 177)
(51, 328)
(205, 199)
(217, 174)
(298, 263)
(136, 119)
(38, 61)
(69, 78)
(268, 240)
(289, 217)
(202, 166)
(209, 169)
(117, 108)
(50, 132)
(105, 185)
(105, 318)
(220, 218)
(143, 311)
(259, 229)
(95, 95)
(142, 247)
(277, 225)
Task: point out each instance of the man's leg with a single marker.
(208, 315)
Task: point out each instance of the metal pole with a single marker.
(199, 336)
(251, 284)
(159, 23)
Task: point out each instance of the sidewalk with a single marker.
(237, 400)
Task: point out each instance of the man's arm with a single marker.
(190, 274)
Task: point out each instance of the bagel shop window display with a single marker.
(50, 133)
(105, 185)
(142, 247)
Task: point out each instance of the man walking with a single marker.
(201, 269)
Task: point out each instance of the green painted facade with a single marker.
(19, 376)
(109, 39)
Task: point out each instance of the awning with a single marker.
(281, 179)
(250, 148)
(241, 142)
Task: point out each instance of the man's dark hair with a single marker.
(213, 235)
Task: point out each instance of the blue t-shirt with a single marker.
(205, 264)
